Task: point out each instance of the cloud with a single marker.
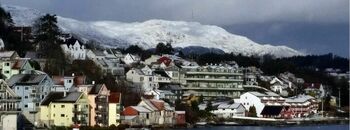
(218, 12)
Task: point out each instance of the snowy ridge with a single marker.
(149, 33)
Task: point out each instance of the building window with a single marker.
(54, 106)
(62, 115)
(26, 88)
(150, 78)
(7, 64)
(69, 81)
(141, 78)
(147, 116)
(62, 106)
(26, 106)
(26, 97)
(54, 115)
(7, 72)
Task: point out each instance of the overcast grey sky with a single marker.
(315, 26)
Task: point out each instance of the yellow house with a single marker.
(114, 108)
(64, 109)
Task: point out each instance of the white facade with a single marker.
(144, 76)
(74, 51)
(8, 122)
(130, 59)
(260, 100)
(225, 110)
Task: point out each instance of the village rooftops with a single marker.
(8, 54)
(71, 97)
(98, 53)
(19, 63)
(266, 94)
(96, 89)
(141, 109)
(78, 80)
(228, 105)
(72, 41)
(299, 99)
(26, 79)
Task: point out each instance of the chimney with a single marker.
(93, 82)
(73, 74)
(64, 93)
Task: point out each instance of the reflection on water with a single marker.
(314, 127)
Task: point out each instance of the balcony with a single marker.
(10, 99)
(213, 73)
(101, 110)
(80, 111)
(214, 79)
(101, 100)
(10, 110)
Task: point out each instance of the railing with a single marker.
(11, 98)
(215, 79)
(10, 109)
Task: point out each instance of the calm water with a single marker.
(316, 127)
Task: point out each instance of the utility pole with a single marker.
(339, 97)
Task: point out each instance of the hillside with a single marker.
(149, 33)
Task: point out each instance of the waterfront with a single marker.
(310, 127)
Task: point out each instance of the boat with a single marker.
(231, 123)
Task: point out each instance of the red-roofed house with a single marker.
(151, 111)
(13, 67)
(165, 60)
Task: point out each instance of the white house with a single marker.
(2, 44)
(130, 59)
(143, 76)
(74, 50)
(227, 110)
(267, 104)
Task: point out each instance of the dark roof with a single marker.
(31, 54)
(96, 89)
(98, 53)
(72, 41)
(272, 110)
(26, 79)
(161, 73)
(70, 97)
(52, 96)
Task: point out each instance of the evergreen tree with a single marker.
(162, 48)
(47, 34)
(252, 112)
(134, 49)
(194, 106)
(5, 22)
(209, 106)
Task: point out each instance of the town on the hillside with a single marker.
(75, 84)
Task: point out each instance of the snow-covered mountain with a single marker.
(149, 33)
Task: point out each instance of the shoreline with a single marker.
(277, 123)
(284, 123)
